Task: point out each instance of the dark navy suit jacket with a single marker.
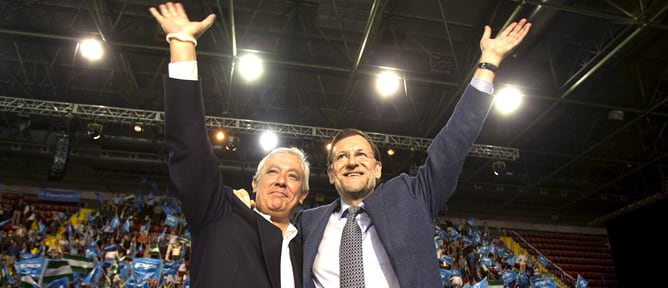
(402, 209)
(232, 245)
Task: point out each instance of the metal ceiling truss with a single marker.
(133, 116)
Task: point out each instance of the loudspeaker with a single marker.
(60, 157)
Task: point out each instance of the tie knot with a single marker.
(353, 211)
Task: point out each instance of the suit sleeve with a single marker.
(436, 180)
(193, 166)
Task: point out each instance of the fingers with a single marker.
(208, 21)
(242, 194)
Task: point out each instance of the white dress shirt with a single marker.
(378, 271)
(188, 71)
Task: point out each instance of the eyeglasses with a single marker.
(361, 156)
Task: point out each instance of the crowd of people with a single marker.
(467, 253)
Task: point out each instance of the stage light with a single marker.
(22, 123)
(60, 157)
(250, 67)
(390, 152)
(232, 143)
(507, 99)
(220, 135)
(268, 140)
(387, 83)
(94, 131)
(91, 49)
(498, 167)
(138, 128)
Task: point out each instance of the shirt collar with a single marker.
(290, 232)
(344, 207)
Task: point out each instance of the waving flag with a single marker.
(99, 197)
(582, 282)
(59, 283)
(543, 282)
(170, 268)
(56, 269)
(542, 260)
(28, 281)
(172, 221)
(144, 268)
(125, 229)
(79, 264)
(32, 267)
(508, 276)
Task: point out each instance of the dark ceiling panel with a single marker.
(591, 133)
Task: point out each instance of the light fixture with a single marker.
(220, 136)
(22, 122)
(232, 143)
(268, 140)
(498, 167)
(60, 157)
(507, 99)
(250, 67)
(91, 49)
(390, 152)
(387, 83)
(138, 128)
(94, 131)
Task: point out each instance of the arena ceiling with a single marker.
(588, 144)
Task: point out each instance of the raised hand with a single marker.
(495, 49)
(174, 19)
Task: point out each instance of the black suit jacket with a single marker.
(232, 245)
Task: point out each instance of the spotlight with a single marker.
(138, 128)
(91, 49)
(94, 131)
(60, 157)
(232, 144)
(220, 135)
(268, 140)
(390, 152)
(498, 167)
(22, 122)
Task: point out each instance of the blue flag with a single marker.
(171, 221)
(99, 197)
(542, 260)
(581, 282)
(5, 222)
(543, 282)
(59, 283)
(508, 276)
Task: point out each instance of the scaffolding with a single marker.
(128, 116)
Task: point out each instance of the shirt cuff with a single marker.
(482, 85)
(183, 70)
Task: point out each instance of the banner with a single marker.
(32, 267)
(59, 196)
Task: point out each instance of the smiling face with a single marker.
(354, 169)
(279, 185)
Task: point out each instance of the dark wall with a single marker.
(638, 245)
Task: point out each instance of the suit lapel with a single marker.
(296, 256)
(315, 236)
(270, 241)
